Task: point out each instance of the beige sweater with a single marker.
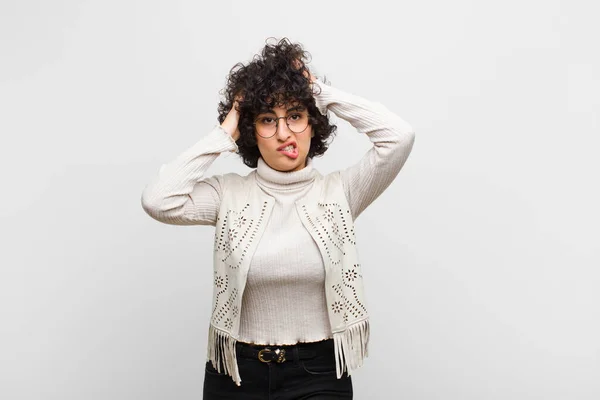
(284, 299)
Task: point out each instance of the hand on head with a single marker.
(230, 124)
(306, 72)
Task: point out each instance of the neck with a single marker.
(271, 178)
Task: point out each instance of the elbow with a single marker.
(404, 138)
(153, 205)
(404, 132)
(149, 206)
(401, 149)
(411, 138)
(408, 141)
(163, 209)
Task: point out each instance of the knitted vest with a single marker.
(324, 212)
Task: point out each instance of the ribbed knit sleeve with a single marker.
(392, 139)
(179, 195)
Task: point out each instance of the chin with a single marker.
(285, 167)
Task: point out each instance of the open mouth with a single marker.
(289, 150)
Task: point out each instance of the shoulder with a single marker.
(332, 178)
(233, 181)
(331, 184)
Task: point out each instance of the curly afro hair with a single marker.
(273, 78)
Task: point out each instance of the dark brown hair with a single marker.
(273, 79)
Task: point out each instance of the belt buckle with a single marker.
(277, 355)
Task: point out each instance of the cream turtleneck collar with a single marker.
(271, 178)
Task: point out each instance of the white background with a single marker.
(481, 260)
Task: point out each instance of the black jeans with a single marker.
(308, 373)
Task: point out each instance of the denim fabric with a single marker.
(313, 378)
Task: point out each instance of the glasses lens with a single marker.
(266, 125)
(297, 122)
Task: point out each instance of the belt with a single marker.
(277, 354)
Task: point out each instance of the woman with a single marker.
(289, 317)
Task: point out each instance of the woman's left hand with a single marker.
(307, 74)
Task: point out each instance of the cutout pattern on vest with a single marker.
(334, 231)
(226, 307)
(237, 232)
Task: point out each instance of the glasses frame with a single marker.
(277, 126)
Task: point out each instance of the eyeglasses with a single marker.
(267, 124)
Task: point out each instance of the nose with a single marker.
(283, 131)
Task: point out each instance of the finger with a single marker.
(237, 98)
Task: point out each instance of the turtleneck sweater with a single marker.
(284, 297)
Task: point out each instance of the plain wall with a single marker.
(481, 260)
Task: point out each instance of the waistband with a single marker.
(283, 353)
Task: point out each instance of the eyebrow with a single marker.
(295, 108)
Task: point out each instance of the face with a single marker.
(288, 148)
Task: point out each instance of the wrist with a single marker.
(229, 129)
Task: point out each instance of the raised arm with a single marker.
(179, 195)
(392, 139)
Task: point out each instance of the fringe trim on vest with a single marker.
(351, 347)
(221, 351)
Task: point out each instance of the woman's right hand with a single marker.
(230, 124)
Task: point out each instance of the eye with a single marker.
(266, 120)
(295, 117)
